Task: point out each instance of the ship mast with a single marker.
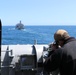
(20, 21)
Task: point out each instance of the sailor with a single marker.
(63, 57)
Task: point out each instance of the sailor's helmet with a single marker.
(61, 34)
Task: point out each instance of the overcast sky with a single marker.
(38, 12)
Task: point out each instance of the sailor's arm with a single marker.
(53, 61)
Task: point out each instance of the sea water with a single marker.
(42, 34)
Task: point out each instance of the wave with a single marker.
(11, 29)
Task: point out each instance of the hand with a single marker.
(53, 46)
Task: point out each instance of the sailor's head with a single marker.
(61, 35)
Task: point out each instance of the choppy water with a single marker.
(43, 34)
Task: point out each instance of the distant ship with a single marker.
(19, 26)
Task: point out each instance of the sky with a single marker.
(38, 12)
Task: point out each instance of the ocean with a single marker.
(42, 34)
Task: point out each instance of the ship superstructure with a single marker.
(22, 59)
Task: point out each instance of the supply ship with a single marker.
(19, 26)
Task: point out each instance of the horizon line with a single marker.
(45, 25)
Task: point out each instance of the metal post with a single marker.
(35, 42)
(5, 63)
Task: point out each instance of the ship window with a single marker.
(28, 61)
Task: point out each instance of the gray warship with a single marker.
(19, 26)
